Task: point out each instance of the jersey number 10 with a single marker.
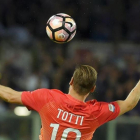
(65, 132)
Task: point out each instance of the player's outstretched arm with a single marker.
(131, 101)
(10, 95)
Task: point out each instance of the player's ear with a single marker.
(93, 89)
(71, 81)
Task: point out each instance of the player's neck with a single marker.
(75, 95)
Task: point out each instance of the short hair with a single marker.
(84, 79)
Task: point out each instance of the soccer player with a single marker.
(68, 116)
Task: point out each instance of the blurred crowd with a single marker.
(29, 60)
(102, 20)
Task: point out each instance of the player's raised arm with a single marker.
(10, 95)
(131, 101)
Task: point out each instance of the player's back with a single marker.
(66, 118)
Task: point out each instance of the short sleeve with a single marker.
(108, 112)
(35, 100)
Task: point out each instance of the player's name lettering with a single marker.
(66, 116)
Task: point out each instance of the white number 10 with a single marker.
(65, 132)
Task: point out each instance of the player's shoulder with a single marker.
(100, 105)
(92, 102)
(51, 91)
(51, 94)
(57, 96)
(95, 105)
(55, 93)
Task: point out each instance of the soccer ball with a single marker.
(61, 28)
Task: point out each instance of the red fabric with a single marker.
(64, 116)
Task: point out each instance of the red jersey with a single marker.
(66, 118)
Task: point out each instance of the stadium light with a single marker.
(21, 111)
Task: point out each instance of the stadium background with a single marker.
(108, 37)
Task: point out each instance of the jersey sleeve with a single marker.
(108, 112)
(35, 100)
